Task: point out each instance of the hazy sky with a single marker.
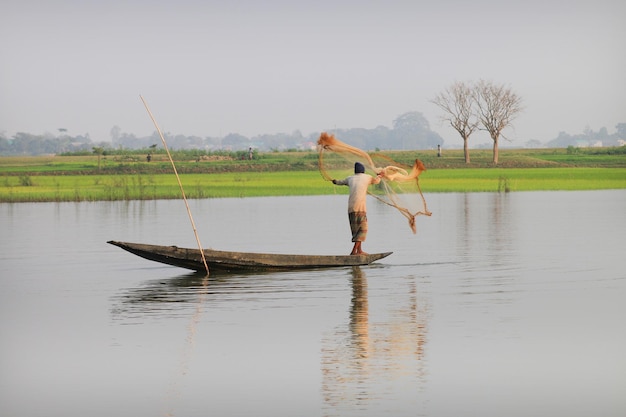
(210, 68)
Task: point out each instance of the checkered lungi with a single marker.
(358, 225)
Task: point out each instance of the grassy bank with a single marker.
(84, 178)
(524, 179)
(161, 186)
(217, 185)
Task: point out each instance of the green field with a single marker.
(79, 178)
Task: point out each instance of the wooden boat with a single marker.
(225, 261)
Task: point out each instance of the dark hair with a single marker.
(359, 168)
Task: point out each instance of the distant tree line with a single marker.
(590, 138)
(29, 144)
(409, 131)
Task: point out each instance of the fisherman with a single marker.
(358, 183)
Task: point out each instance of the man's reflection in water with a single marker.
(363, 360)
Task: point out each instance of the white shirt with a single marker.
(358, 184)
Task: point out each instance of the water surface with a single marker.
(501, 304)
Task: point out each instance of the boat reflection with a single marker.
(371, 358)
(372, 354)
(180, 294)
(155, 296)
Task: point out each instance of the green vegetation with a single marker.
(131, 177)
(523, 179)
(162, 186)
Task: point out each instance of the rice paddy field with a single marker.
(85, 178)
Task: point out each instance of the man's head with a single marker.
(359, 168)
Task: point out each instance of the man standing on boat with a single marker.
(358, 183)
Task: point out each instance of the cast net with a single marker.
(399, 186)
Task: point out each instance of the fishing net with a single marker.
(399, 186)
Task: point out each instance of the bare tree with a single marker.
(496, 108)
(457, 102)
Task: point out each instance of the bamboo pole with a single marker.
(193, 224)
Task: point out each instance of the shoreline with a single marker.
(75, 188)
(130, 177)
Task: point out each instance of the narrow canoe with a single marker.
(225, 261)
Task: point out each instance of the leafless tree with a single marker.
(457, 103)
(496, 108)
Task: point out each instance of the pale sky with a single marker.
(209, 68)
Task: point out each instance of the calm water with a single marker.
(501, 305)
